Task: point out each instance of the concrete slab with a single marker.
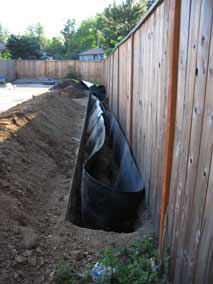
(12, 95)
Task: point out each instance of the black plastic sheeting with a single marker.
(107, 207)
(96, 90)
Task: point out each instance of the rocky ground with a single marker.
(38, 147)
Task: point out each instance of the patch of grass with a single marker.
(63, 274)
(133, 264)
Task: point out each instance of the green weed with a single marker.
(132, 264)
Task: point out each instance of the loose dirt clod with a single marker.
(30, 238)
(38, 146)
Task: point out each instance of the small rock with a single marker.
(39, 250)
(28, 253)
(52, 275)
(14, 252)
(74, 139)
(9, 168)
(41, 261)
(16, 275)
(20, 259)
(77, 254)
(30, 238)
(32, 260)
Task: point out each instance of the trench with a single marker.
(39, 140)
(107, 191)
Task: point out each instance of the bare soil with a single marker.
(38, 147)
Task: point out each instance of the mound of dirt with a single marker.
(38, 145)
(70, 83)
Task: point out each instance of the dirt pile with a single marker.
(38, 147)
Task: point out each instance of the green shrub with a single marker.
(133, 264)
(71, 74)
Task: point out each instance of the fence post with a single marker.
(171, 115)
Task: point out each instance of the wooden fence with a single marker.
(190, 228)
(137, 83)
(7, 69)
(160, 80)
(91, 71)
(160, 83)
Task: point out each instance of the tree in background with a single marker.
(68, 31)
(37, 32)
(85, 37)
(31, 45)
(3, 34)
(118, 20)
(104, 30)
(3, 38)
(24, 47)
(55, 46)
(150, 3)
(87, 34)
(68, 36)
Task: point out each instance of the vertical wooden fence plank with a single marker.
(204, 185)
(131, 89)
(171, 115)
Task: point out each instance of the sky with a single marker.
(16, 15)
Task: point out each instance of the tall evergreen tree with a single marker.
(68, 31)
(117, 21)
(37, 32)
(24, 47)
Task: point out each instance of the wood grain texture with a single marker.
(90, 71)
(7, 69)
(189, 163)
(140, 93)
(175, 9)
(189, 178)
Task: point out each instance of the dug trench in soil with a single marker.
(111, 186)
(38, 145)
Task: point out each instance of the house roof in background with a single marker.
(93, 51)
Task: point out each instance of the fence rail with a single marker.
(160, 89)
